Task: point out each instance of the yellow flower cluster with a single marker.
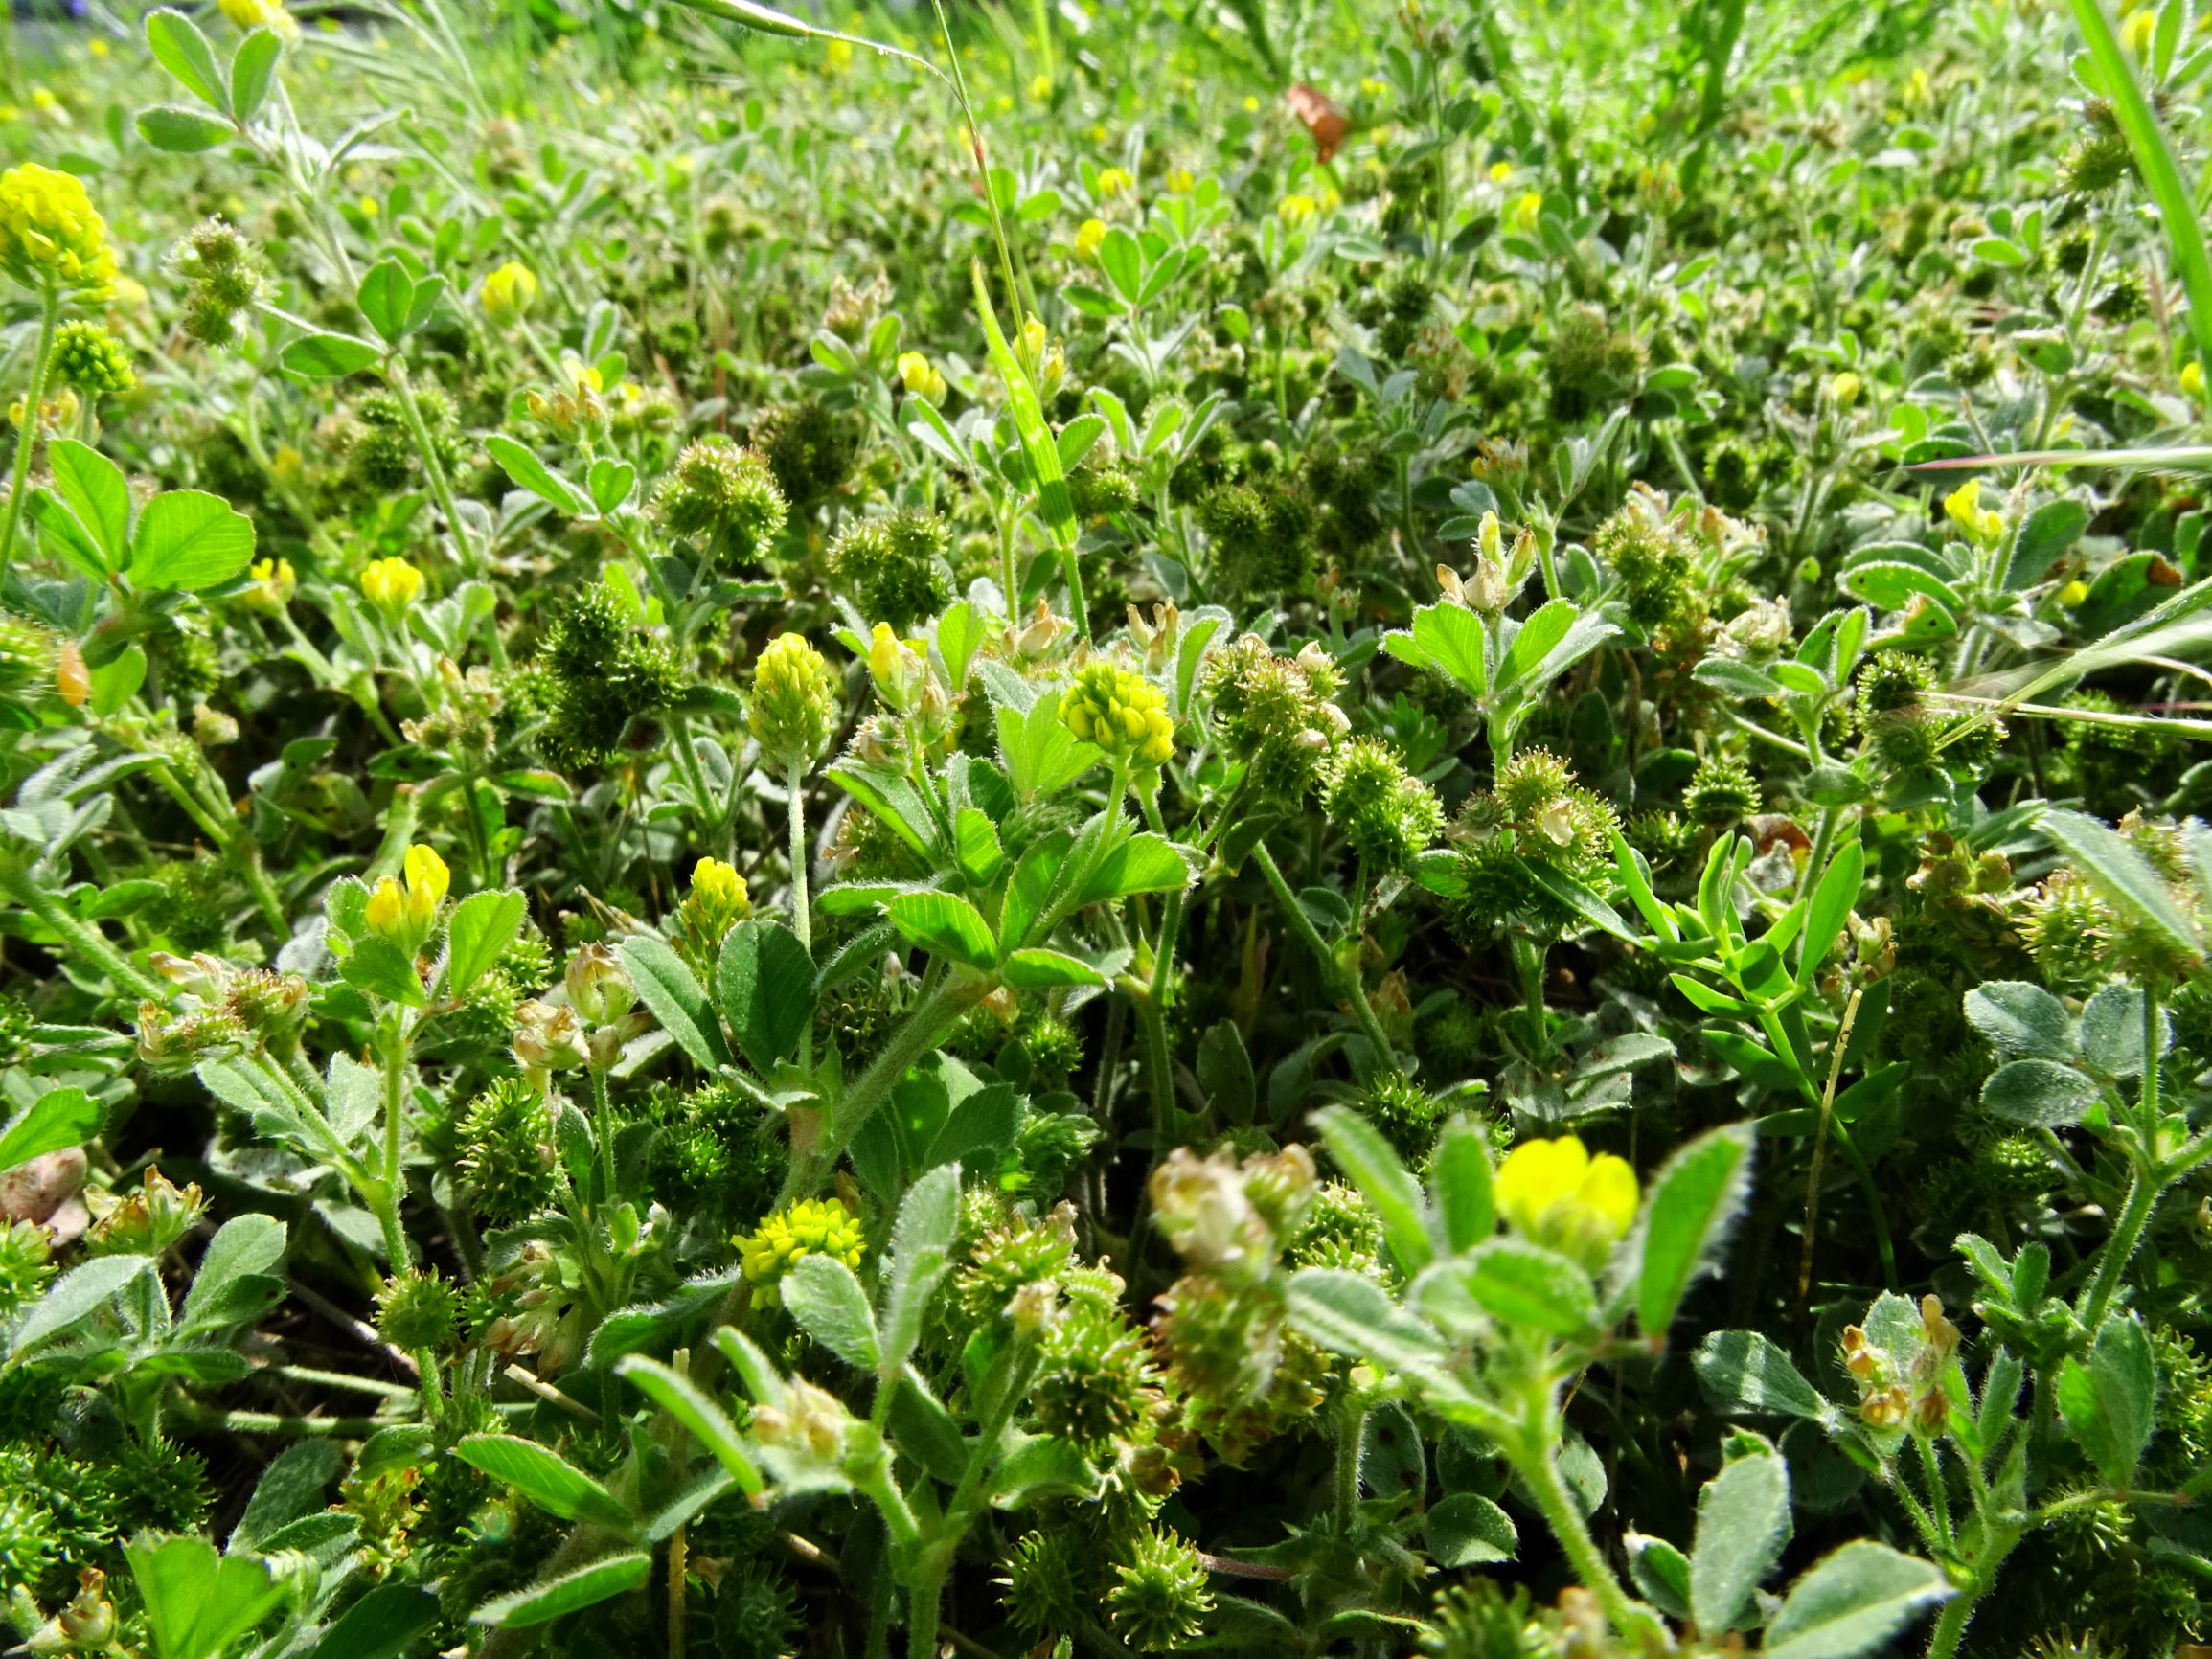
(809, 1227)
(793, 710)
(509, 292)
(406, 916)
(1122, 713)
(49, 234)
(922, 377)
(391, 585)
(1088, 237)
(1554, 1193)
(274, 583)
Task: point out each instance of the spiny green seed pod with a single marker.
(26, 1265)
(2098, 163)
(1388, 816)
(1041, 1580)
(1890, 682)
(725, 499)
(1262, 537)
(1121, 712)
(1720, 792)
(1406, 1113)
(793, 711)
(91, 359)
(30, 655)
(1006, 1257)
(417, 1310)
(1161, 1602)
(1055, 1047)
(506, 1151)
(896, 568)
(810, 450)
(1097, 1385)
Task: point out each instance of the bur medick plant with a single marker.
(940, 835)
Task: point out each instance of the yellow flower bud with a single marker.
(1115, 181)
(895, 668)
(1296, 208)
(2193, 379)
(1844, 389)
(1554, 1193)
(391, 585)
(1087, 238)
(509, 292)
(405, 910)
(275, 582)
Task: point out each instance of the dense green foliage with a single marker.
(1274, 827)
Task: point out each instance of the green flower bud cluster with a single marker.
(793, 711)
(506, 1156)
(1908, 733)
(224, 275)
(1534, 814)
(1722, 792)
(810, 450)
(383, 456)
(26, 1265)
(1121, 711)
(896, 568)
(1656, 565)
(595, 673)
(725, 500)
(1589, 362)
(91, 359)
(1275, 714)
(1262, 536)
(1389, 816)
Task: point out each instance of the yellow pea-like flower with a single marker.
(1554, 1193)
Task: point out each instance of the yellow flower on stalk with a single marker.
(406, 914)
(2193, 379)
(1296, 209)
(1524, 210)
(391, 585)
(922, 377)
(812, 1226)
(1122, 713)
(274, 583)
(509, 292)
(840, 55)
(896, 668)
(1088, 236)
(1180, 182)
(1500, 171)
(1115, 181)
(1844, 389)
(2137, 32)
(1964, 509)
(1039, 88)
(51, 235)
(1554, 1193)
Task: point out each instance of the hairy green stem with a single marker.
(1347, 985)
(801, 923)
(26, 435)
(82, 937)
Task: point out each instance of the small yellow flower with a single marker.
(287, 464)
(2073, 594)
(922, 377)
(98, 47)
(1372, 85)
(406, 915)
(1180, 182)
(1296, 209)
(247, 14)
(391, 585)
(840, 55)
(1554, 1193)
(895, 668)
(2193, 379)
(1039, 88)
(1963, 506)
(2137, 32)
(1088, 236)
(51, 235)
(370, 207)
(1522, 214)
(1500, 171)
(275, 582)
(1843, 391)
(1252, 106)
(1115, 181)
(509, 292)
